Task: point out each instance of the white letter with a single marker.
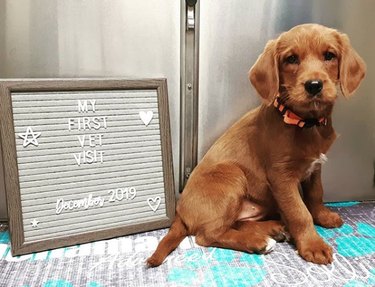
(104, 122)
(92, 140)
(113, 246)
(100, 136)
(86, 122)
(82, 108)
(96, 122)
(59, 206)
(89, 156)
(81, 140)
(100, 153)
(78, 158)
(70, 123)
(93, 105)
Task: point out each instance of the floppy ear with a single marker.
(264, 74)
(352, 68)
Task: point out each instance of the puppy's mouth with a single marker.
(306, 105)
(317, 102)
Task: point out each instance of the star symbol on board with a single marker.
(29, 140)
(34, 223)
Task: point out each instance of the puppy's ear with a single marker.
(264, 75)
(352, 67)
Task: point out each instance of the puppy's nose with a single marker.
(313, 87)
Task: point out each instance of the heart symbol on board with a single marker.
(146, 117)
(154, 203)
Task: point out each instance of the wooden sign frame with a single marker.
(11, 171)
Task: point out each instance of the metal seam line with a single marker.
(189, 89)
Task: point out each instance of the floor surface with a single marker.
(120, 261)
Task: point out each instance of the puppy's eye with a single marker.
(329, 56)
(292, 59)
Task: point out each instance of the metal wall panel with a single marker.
(233, 34)
(96, 38)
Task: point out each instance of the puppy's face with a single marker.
(308, 66)
(304, 66)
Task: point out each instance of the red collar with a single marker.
(291, 118)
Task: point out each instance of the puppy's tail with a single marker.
(176, 234)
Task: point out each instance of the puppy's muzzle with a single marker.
(313, 87)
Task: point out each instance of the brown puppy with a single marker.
(253, 172)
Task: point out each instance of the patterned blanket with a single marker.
(120, 261)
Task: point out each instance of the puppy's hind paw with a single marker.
(278, 231)
(153, 261)
(282, 236)
(265, 246)
(271, 243)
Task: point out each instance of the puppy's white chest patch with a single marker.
(321, 160)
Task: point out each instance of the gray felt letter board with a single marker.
(85, 160)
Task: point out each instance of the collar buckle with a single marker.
(309, 123)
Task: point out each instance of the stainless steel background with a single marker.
(233, 34)
(78, 38)
(96, 38)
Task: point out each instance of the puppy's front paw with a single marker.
(327, 218)
(316, 251)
